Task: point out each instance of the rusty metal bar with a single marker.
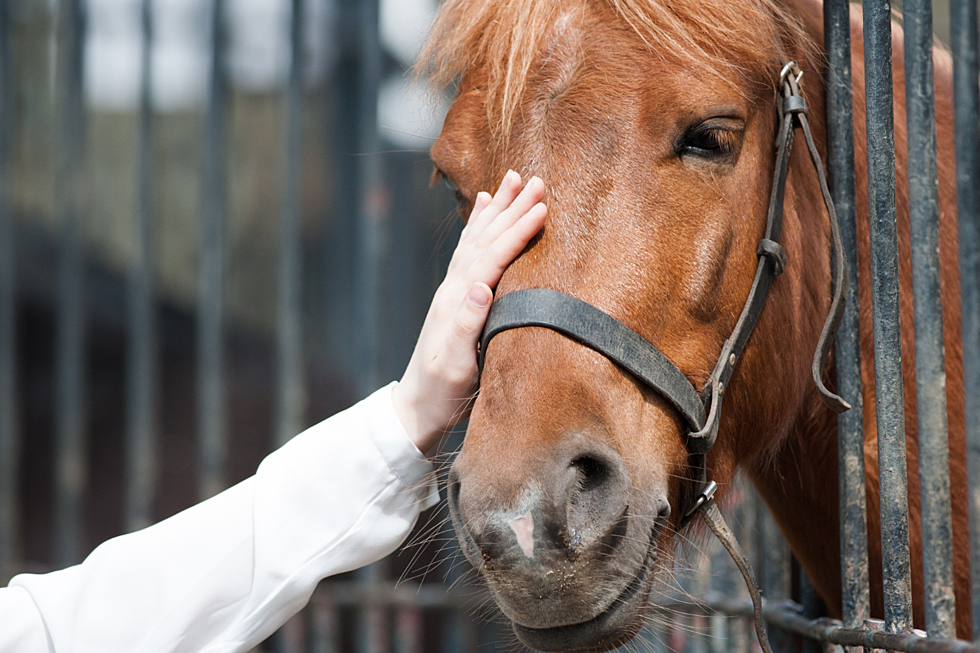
(70, 340)
(141, 361)
(290, 334)
(9, 433)
(890, 406)
(211, 421)
(855, 593)
(966, 106)
(787, 615)
(930, 360)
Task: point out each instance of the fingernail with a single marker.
(478, 296)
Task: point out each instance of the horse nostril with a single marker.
(598, 491)
(591, 473)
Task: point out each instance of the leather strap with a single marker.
(712, 516)
(607, 335)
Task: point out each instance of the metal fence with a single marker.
(857, 629)
(69, 325)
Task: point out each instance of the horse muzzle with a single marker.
(569, 553)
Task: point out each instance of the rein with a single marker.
(701, 410)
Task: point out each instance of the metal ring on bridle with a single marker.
(791, 67)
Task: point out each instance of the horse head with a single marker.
(652, 125)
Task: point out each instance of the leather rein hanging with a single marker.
(701, 411)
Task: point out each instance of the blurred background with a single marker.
(217, 229)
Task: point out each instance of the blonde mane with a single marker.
(733, 39)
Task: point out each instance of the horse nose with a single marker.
(574, 502)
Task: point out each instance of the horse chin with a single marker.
(610, 629)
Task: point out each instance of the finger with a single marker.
(492, 263)
(459, 349)
(510, 188)
(483, 199)
(466, 237)
(531, 195)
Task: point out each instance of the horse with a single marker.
(652, 124)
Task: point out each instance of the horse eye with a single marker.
(457, 194)
(708, 142)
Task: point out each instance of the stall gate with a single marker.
(74, 326)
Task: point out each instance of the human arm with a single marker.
(223, 575)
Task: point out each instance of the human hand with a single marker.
(436, 391)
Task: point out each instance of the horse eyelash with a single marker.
(724, 142)
(448, 183)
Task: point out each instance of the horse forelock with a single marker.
(739, 41)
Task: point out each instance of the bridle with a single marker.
(701, 411)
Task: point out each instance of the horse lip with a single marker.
(582, 636)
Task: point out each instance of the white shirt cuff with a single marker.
(398, 450)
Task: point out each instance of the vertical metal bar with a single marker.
(930, 363)
(321, 630)
(777, 580)
(290, 418)
(890, 407)
(855, 593)
(966, 107)
(741, 632)
(371, 198)
(373, 622)
(141, 367)
(70, 354)
(408, 630)
(724, 582)
(289, 333)
(9, 434)
(813, 608)
(210, 314)
(704, 570)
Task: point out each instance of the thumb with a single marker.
(460, 346)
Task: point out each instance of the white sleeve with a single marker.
(226, 573)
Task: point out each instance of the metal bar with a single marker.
(408, 630)
(290, 419)
(786, 615)
(371, 219)
(373, 621)
(813, 608)
(141, 363)
(890, 408)
(70, 344)
(777, 581)
(321, 626)
(372, 618)
(855, 593)
(9, 433)
(210, 314)
(289, 333)
(966, 107)
(930, 360)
